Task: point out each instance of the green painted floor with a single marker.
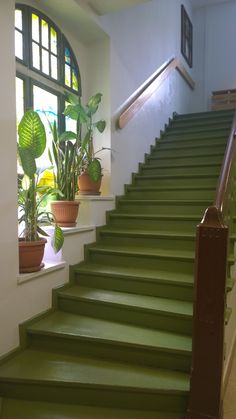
(117, 342)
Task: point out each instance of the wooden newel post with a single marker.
(209, 310)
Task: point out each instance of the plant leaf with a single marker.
(100, 125)
(67, 135)
(94, 170)
(27, 161)
(32, 135)
(93, 103)
(57, 239)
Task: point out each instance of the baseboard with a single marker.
(228, 363)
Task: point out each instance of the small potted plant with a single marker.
(31, 145)
(64, 158)
(90, 171)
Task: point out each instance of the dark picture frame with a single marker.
(186, 37)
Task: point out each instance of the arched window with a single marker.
(46, 66)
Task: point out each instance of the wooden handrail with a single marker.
(225, 175)
(209, 298)
(150, 86)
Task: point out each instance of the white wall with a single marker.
(20, 302)
(214, 40)
(142, 39)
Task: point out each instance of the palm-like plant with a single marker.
(32, 143)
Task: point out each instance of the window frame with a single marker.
(186, 38)
(27, 61)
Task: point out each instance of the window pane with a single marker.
(18, 19)
(54, 72)
(44, 28)
(19, 99)
(53, 41)
(70, 124)
(45, 61)
(45, 103)
(74, 80)
(36, 56)
(68, 75)
(35, 27)
(67, 56)
(18, 45)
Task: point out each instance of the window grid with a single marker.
(54, 67)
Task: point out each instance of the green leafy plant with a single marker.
(31, 145)
(84, 117)
(64, 158)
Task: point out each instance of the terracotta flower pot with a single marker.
(31, 255)
(65, 212)
(87, 186)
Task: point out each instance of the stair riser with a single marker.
(204, 123)
(195, 134)
(144, 286)
(179, 226)
(182, 160)
(197, 143)
(173, 171)
(103, 396)
(109, 351)
(155, 209)
(197, 128)
(172, 194)
(178, 182)
(175, 152)
(134, 316)
(153, 263)
(164, 243)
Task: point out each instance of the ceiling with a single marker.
(103, 7)
(200, 3)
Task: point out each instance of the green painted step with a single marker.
(198, 129)
(139, 310)
(51, 376)
(177, 285)
(205, 115)
(147, 239)
(195, 122)
(22, 409)
(169, 144)
(160, 222)
(179, 169)
(179, 180)
(201, 192)
(185, 151)
(164, 260)
(183, 160)
(193, 136)
(106, 339)
(194, 207)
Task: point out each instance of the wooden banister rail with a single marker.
(149, 88)
(210, 298)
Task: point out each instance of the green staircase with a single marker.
(117, 343)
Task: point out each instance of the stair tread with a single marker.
(166, 201)
(181, 217)
(22, 409)
(177, 165)
(146, 233)
(34, 366)
(177, 176)
(145, 251)
(135, 273)
(75, 325)
(169, 188)
(183, 308)
(161, 145)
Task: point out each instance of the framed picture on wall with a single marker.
(186, 37)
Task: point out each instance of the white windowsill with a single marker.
(50, 266)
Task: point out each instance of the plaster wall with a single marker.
(214, 46)
(21, 302)
(142, 39)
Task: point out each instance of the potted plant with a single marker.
(90, 171)
(31, 145)
(64, 158)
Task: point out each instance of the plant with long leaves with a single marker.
(31, 145)
(84, 115)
